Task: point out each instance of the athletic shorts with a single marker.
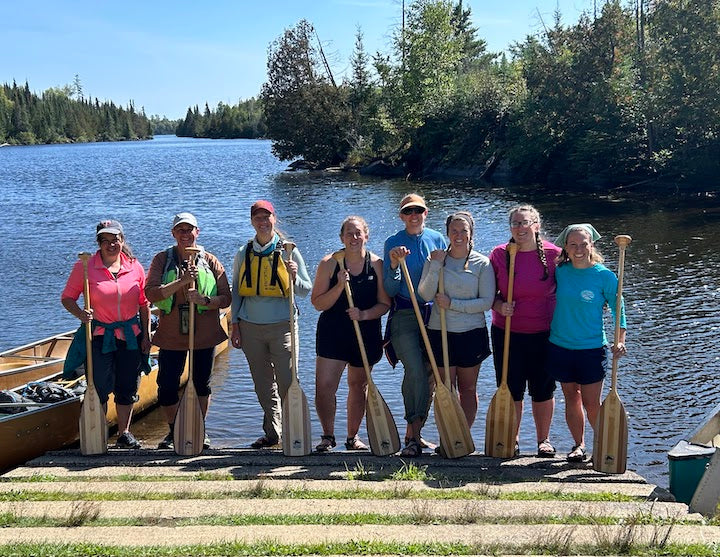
(171, 364)
(116, 372)
(526, 364)
(584, 367)
(467, 349)
(337, 340)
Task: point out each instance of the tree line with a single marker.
(627, 94)
(64, 115)
(245, 120)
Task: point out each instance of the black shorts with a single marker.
(466, 349)
(336, 340)
(116, 372)
(171, 364)
(526, 364)
(584, 367)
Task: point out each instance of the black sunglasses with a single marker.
(413, 211)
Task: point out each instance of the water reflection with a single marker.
(54, 195)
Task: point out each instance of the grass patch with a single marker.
(359, 472)
(409, 471)
(327, 549)
(260, 491)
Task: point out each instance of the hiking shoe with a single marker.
(167, 443)
(127, 441)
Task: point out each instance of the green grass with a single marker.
(419, 517)
(349, 548)
(259, 491)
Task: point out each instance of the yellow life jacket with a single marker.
(263, 275)
(206, 282)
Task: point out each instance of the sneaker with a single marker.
(127, 441)
(167, 443)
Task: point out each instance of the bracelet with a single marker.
(206, 299)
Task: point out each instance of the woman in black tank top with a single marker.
(336, 343)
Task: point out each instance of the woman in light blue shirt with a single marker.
(577, 355)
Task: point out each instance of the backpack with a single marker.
(44, 391)
(11, 397)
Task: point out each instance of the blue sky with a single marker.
(167, 55)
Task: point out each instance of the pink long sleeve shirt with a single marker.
(534, 298)
(112, 299)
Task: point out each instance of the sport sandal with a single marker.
(545, 449)
(577, 454)
(326, 443)
(412, 449)
(354, 444)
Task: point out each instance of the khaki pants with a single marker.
(267, 349)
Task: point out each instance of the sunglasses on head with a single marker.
(412, 211)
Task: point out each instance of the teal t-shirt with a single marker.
(577, 323)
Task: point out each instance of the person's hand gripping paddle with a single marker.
(296, 432)
(455, 437)
(93, 424)
(189, 429)
(610, 438)
(381, 428)
(501, 421)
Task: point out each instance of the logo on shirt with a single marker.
(587, 295)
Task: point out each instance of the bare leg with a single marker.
(543, 414)
(591, 400)
(327, 379)
(467, 389)
(357, 394)
(124, 415)
(519, 408)
(574, 414)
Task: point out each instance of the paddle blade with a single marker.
(296, 432)
(501, 424)
(455, 437)
(611, 436)
(381, 428)
(189, 430)
(93, 425)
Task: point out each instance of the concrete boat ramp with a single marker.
(239, 501)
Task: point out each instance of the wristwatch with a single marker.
(206, 300)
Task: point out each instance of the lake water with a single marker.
(52, 197)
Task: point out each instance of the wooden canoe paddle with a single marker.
(381, 428)
(443, 334)
(501, 421)
(296, 432)
(189, 429)
(610, 439)
(455, 436)
(93, 424)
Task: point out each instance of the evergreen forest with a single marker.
(244, 120)
(64, 115)
(627, 95)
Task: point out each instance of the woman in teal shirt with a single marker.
(577, 354)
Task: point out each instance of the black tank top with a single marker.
(363, 286)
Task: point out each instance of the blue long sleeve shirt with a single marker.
(577, 323)
(420, 246)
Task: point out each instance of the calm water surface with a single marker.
(52, 196)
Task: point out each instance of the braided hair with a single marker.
(538, 240)
(467, 218)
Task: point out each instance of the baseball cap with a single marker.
(262, 204)
(108, 227)
(181, 218)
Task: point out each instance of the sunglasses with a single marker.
(413, 211)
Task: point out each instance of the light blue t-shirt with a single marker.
(577, 323)
(420, 246)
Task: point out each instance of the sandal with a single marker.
(516, 452)
(577, 454)
(412, 449)
(545, 449)
(424, 443)
(326, 443)
(262, 442)
(354, 444)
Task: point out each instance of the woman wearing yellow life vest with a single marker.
(168, 287)
(261, 314)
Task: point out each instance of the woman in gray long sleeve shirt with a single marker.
(469, 283)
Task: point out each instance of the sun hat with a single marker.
(108, 226)
(412, 200)
(562, 238)
(262, 205)
(181, 218)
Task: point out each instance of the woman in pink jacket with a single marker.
(119, 319)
